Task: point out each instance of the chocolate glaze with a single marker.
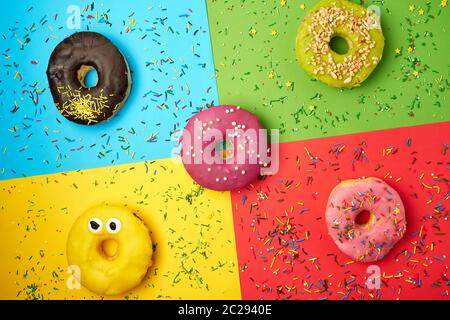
(94, 50)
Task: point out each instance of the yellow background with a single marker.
(195, 257)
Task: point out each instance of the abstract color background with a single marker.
(265, 241)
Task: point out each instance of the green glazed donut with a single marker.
(361, 30)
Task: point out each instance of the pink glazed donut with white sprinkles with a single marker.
(220, 148)
(386, 224)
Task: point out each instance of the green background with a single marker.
(254, 39)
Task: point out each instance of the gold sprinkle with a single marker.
(82, 106)
(289, 84)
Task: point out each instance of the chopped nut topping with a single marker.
(324, 23)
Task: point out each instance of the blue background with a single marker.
(169, 52)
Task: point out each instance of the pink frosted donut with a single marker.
(219, 148)
(386, 224)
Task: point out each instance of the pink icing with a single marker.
(387, 225)
(231, 174)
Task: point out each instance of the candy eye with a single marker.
(113, 225)
(95, 225)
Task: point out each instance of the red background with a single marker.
(284, 250)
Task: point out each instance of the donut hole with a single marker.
(363, 218)
(224, 149)
(87, 76)
(109, 248)
(339, 44)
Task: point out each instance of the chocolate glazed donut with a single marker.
(69, 63)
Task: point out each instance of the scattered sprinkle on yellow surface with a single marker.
(192, 228)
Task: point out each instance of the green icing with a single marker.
(343, 29)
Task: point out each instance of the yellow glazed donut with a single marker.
(112, 247)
